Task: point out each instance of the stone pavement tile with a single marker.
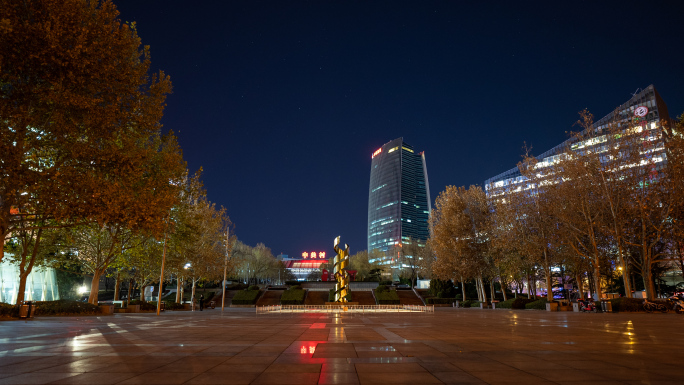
(251, 360)
(238, 368)
(13, 360)
(34, 378)
(364, 354)
(394, 378)
(389, 368)
(338, 378)
(303, 359)
(73, 367)
(25, 367)
(183, 367)
(95, 378)
(484, 364)
(132, 367)
(159, 378)
(625, 374)
(457, 378)
(507, 376)
(565, 375)
(233, 378)
(537, 364)
(339, 367)
(276, 378)
(434, 367)
(296, 368)
(591, 365)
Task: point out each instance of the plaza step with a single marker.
(270, 298)
(316, 297)
(408, 297)
(363, 297)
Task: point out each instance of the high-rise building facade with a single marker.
(646, 104)
(398, 199)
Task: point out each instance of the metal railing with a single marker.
(341, 309)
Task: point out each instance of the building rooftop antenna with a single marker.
(636, 92)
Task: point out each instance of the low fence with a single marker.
(349, 308)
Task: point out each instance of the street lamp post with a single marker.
(225, 272)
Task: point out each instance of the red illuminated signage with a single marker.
(379, 150)
(314, 255)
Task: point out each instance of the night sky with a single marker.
(282, 103)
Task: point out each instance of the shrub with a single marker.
(507, 304)
(465, 303)
(520, 302)
(293, 296)
(145, 305)
(458, 297)
(253, 287)
(385, 283)
(9, 311)
(445, 287)
(245, 297)
(291, 283)
(295, 287)
(475, 304)
(385, 296)
(64, 307)
(440, 301)
(331, 295)
(539, 304)
(170, 305)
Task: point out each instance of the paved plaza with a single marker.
(452, 346)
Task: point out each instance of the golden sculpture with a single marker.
(342, 293)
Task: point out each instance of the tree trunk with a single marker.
(117, 286)
(194, 281)
(597, 282)
(504, 286)
(95, 286)
(130, 288)
(142, 292)
(580, 285)
(491, 288)
(549, 278)
(625, 271)
(529, 287)
(648, 284)
(178, 290)
(463, 290)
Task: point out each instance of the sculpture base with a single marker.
(341, 303)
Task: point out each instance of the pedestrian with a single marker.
(201, 302)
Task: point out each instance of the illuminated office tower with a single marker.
(398, 199)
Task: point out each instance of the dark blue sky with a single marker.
(282, 103)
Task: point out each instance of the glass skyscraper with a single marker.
(398, 198)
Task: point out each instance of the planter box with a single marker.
(119, 310)
(133, 309)
(107, 309)
(552, 306)
(565, 308)
(231, 305)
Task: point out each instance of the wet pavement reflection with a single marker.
(449, 346)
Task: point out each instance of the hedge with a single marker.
(384, 296)
(507, 304)
(539, 304)
(171, 305)
(9, 311)
(65, 307)
(633, 304)
(440, 301)
(245, 297)
(475, 304)
(293, 296)
(144, 305)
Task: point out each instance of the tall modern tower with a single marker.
(398, 198)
